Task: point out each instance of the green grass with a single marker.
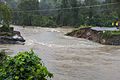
(71, 33)
(6, 30)
(110, 34)
(6, 33)
(83, 26)
(76, 29)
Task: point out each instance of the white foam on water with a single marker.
(50, 29)
(30, 42)
(82, 43)
(34, 42)
(50, 45)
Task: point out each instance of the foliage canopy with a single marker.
(53, 13)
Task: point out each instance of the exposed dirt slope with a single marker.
(96, 36)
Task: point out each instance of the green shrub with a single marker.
(71, 33)
(6, 28)
(50, 23)
(3, 57)
(24, 66)
(83, 26)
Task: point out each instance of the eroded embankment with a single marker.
(14, 38)
(107, 37)
(9, 36)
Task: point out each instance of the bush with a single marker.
(24, 66)
(3, 57)
(6, 28)
(50, 23)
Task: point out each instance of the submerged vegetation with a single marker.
(23, 66)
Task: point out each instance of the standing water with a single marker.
(70, 58)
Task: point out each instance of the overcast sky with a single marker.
(39, 0)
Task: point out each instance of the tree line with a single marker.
(54, 13)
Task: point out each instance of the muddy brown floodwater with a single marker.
(70, 58)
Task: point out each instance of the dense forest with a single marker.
(56, 13)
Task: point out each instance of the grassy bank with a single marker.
(76, 29)
(110, 34)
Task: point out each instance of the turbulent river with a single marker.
(67, 57)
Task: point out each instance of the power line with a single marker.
(69, 8)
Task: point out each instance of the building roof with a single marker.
(105, 28)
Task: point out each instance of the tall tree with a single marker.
(12, 4)
(91, 9)
(5, 13)
(118, 6)
(75, 11)
(65, 15)
(27, 10)
(25, 5)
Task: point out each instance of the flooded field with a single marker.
(67, 57)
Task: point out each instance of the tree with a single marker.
(25, 5)
(12, 4)
(5, 13)
(65, 14)
(75, 11)
(91, 9)
(27, 11)
(118, 6)
(49, 4)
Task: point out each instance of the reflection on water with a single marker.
(70, 58)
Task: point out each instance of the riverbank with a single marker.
(104, 35)
(9, 36)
